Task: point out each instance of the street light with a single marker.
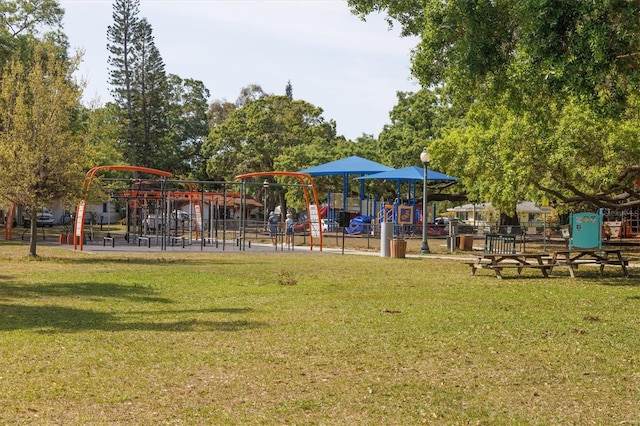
(265, 188)
(424, 157)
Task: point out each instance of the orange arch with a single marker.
(78, 241)
(305, 181)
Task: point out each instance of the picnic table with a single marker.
(573, 258)
(499, 261)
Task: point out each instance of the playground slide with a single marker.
(323, 212)
(357, 224)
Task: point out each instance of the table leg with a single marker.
(622, 265)
(570, 266)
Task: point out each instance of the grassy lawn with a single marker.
(280, 338)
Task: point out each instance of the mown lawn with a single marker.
(279, 338)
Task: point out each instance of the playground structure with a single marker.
(171, 211)
(163, 211)
(366, 215)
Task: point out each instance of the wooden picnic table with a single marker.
(573, 258)
(498, 262)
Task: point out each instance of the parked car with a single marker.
(182, 217)
(302, 226)
(442, 220)
(329, 225)
(44, 217)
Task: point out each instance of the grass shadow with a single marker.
(152, 260)
(59, 319)
(98, 289)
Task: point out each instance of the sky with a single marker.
(349, 68)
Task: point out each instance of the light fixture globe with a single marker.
(425, 157)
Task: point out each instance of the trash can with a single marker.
(398, 248)
(466, 242)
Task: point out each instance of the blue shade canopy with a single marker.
(347, 166)
(411, 173)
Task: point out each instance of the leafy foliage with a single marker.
(260, 136)
(188, 124)
(270, 133)
(42, 158)
(540, 95)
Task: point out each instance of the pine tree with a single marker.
(141, 88)
(121, 38)
(151, 90)
(289, 90)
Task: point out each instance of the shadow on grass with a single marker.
(156, 260)
(610, 277)
(58, 319)
(106, 290)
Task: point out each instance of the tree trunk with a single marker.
(34, 233)
(509, 220)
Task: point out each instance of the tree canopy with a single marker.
(42, 158)
(533, 89)
(268, 132)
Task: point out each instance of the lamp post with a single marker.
(265, 188)
(424, 157)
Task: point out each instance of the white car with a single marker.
(44, 217)
(329, 225)
(153, 221)
(180, 214)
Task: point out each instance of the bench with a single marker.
(147, 241)
(500, 244)
(110, 239)
(175, 239)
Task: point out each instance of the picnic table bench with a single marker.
(499, 261)
(574, 258)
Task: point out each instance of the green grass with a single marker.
(264, 338)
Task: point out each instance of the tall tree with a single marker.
(520, 68)
(159, 133)
(22, 21)
(42, 159)
(20, 17)
(288, 90)
(151, 100)
(122, 38)
(269, 133)
(188, 121)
